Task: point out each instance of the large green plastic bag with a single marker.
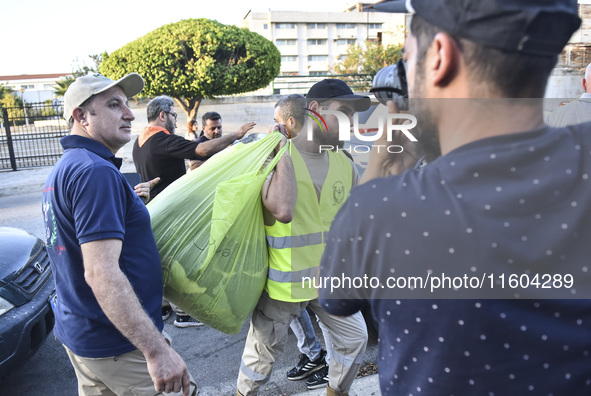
(209, 229)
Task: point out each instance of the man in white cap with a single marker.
(103, 254)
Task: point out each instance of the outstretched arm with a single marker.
(214, 146)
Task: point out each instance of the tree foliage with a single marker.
(14, 105)
(368, 59)
(83, 69)
(61, 85)
(4, 89)
(195, 59)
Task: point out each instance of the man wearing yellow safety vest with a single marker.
(300, 199)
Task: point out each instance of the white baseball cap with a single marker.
(94, 83)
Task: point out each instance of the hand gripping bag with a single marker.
(209, 229)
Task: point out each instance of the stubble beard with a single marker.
(427, 132)
(170, 126)
(323, 138)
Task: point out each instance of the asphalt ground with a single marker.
(213, 357)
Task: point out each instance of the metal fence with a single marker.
(283, 85)
(29, 135)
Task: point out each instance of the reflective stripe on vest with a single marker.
(295, 248)
(297, 241)
(292, 276)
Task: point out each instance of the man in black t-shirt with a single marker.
(211, 129)
(158, 152)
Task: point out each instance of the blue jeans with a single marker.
(307, 342)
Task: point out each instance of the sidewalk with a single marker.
(23, 181)
(366, 386)
(32, 180)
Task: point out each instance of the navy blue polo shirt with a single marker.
(86, 198)
(511, 204)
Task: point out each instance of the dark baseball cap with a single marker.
(536, 27)
(333, 88)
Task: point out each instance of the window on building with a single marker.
(345, 26)
(316, 41)
(346, 41)
(289, 58)
(317, 58)
(27, 86)
(285, 26)
(265, 26)
(342, 57)
(318, 73)
(317, 26)
(375, 25)
(286, 42)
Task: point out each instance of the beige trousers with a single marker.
(267, 337)
(123, 375)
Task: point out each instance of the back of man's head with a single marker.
(292, 105)
(210, 115)
(509, 46)
(157, 105)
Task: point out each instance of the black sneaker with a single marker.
(305, 367)
(186, 321)
(319, 379)
(166, 311)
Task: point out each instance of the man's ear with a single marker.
(162, 116)
(314, 105)
(79, 114)
(444, 62)
(584, 82)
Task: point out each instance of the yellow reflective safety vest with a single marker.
(295, 248)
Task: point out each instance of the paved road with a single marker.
(212, 357)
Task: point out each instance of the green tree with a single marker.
(368, 59)
(14, 105)
(61, 85)
(195, 59)
(4, 90)
(83, 69)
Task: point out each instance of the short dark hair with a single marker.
(210, 115)
(292, 105)
(157, 105)
(512, 75)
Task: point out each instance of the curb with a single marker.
(364, 386)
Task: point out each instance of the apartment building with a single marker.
(312, 42)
